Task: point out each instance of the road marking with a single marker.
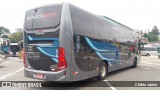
(150, 63)
(10, 74)
(113, 88)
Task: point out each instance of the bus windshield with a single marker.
(150, 49)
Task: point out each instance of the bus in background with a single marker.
(5, 46)
(14, 49)
(149, 50)
(3, 49)
(65, 43)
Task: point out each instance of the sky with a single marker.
(136, 14)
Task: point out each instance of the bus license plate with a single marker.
(39, 76)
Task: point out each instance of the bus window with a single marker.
(4, 43)
(8, 43)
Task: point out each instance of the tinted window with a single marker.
(6, 42)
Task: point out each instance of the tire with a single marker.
(147, 54)
(102, 71)
(134, 63)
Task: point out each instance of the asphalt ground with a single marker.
(148, 70)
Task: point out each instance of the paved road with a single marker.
(148, 70)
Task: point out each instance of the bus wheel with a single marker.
(148, 54)
(135, 63)
(102, 71)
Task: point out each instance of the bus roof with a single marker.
(118, 23)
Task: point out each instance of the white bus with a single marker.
(149, 50)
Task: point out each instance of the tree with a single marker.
(145, 35)
(155, 30)
(17, 36)
(152, 37)
(4, 31)
(5, 36)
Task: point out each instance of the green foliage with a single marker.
(5, 36)
(4, 31)
(152, 37)
(17, 36)
(155, 30)
(145, 35)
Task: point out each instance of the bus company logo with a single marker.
(38, 32)
(6, 84)
(46, 15)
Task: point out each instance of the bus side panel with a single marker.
(73, 72)
(109, 31)
(83, 25)
(87, 24)
(66, 39)
(87, 59)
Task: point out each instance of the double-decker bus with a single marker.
(65, 43)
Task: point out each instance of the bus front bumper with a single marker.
(47, 75)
